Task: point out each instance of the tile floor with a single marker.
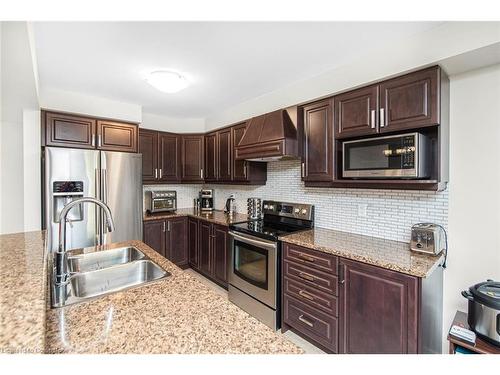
(297, 340)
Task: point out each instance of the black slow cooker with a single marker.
(484, 310)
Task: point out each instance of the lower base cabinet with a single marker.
(169, 238)
(208, 249)
(370, 310)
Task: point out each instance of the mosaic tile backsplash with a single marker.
(389, 213)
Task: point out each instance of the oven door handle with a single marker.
(252, 241)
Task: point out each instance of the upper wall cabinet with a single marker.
(192, 158)
(211, 157)
(317, 163)
(75, 131)
(408, 102)
(160, 156)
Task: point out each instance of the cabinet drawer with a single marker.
(314, 324)
(317, 280)
(311, 296)
(311, 258)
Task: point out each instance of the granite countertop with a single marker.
(380, 252)
(177, 314)
(23, 275)
(216, 216)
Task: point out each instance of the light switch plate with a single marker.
(362, 207)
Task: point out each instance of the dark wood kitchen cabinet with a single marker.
(224, 150)
(356, 112)
(192, 158)
(168, 238)
(80, 131)
(193, 243)
(116, 136)
(160, 156)
(345, 306)
(410, 101)
(211, 157)
(212, 251)
(379, 310)
(318, 159)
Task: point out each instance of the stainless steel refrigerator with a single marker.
(112, 177)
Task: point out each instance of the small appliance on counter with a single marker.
(484, 310)
(161, 201)
(254, 208)
(206, 200)
(230, 207)
(428, 238)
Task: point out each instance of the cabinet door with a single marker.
(220, 255)
(211, 157)
(379, 310)
(148, 147)
(116, 136)
(169, 152)
(318, 142)
(205, 247)
(356, 112)
(193, 253)
(410, 101)
(69, 131)
(192, 158)
(177, 240)
(224, 150)
(239, 166)
(154, 235)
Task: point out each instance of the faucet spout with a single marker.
(61, 264)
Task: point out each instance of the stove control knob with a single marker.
(266, 207)
(271, 207)
(304, 211)
(297, 210)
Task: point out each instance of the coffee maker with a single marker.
(207, 200)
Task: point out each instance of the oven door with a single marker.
(163, 204)
(382, 157)
(253, 267)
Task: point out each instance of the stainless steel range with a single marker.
(255, 258)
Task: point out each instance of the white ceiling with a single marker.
(226, 62)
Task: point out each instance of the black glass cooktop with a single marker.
(263, 229)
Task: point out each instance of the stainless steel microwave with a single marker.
(395, 156)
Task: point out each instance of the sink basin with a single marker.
(113, 279)
(102, 259)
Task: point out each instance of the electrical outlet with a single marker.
(362, 207)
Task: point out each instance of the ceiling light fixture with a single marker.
(167, 81)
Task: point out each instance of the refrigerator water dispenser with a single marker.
(65, 192)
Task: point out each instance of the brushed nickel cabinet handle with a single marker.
(245, 168)
(169, 225)
(306, 276)
(99, 144)
(160, 173)
(163, 227)
(306, 257)
(93, 140)
(201, 173)
(303, 173)
(382, 117)
(305, 321)
(306, 295)
(373, 119)
(156, 173)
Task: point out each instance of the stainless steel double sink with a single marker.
(103, 272)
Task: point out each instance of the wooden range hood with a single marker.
(270, 137)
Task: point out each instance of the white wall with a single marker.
(31, 169)
(177, 125)
(440, 43)
(86, 103)
(19, 94)
(474, 201)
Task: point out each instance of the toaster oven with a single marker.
(161, 201)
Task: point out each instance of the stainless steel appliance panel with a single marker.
(71, 165)
(121, 190)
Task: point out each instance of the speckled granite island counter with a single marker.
(380, 252)
(174, 315)
(23, 274)
(216, 216)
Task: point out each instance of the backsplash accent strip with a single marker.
(389, 213)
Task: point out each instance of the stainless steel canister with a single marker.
(254, 208)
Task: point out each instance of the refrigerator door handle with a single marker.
(98, 224)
